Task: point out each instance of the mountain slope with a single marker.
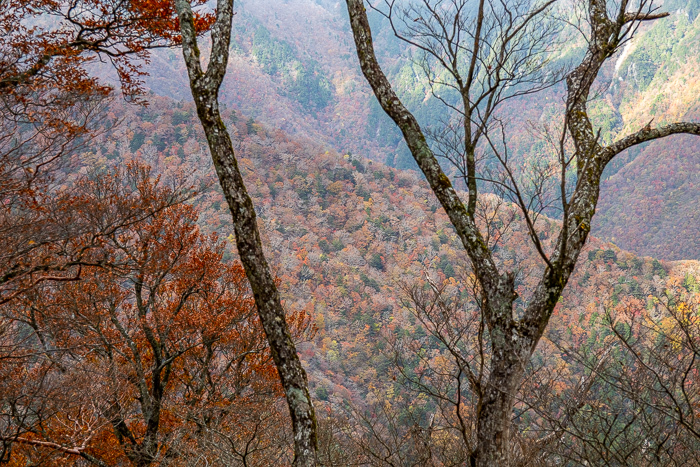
(348, 235)
(293, 67)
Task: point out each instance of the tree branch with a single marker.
(471, 238)
(76, 451)
(650, 134)
(629, 17)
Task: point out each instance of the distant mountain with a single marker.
(293, 67)
(347, 235)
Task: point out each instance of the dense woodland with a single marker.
(128, 328)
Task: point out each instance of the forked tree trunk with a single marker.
(513, 340)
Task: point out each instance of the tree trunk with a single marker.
(205, 89)
(509, 353)
(262, 282)
(495, 417)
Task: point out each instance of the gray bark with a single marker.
(205, 88)
(513, 340)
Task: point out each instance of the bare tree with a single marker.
(205, 88)
(447, 362)
(451, 362)
(643, 409)
(397, 434)
(485, 47)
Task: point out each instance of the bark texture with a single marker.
(513, 340)
(205, 89)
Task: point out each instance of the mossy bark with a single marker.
(205, 88)
(514, 340)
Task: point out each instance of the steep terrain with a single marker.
(347, 236)
(293, 67)
(650, 205)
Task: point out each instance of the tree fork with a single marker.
(514, 340)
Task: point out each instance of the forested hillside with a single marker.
(349, 251)
(298, 73)
(349, 236)
(352, 239)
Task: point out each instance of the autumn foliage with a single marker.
(50, 105)
(128, 334)
(52, 54)
(151, 353)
